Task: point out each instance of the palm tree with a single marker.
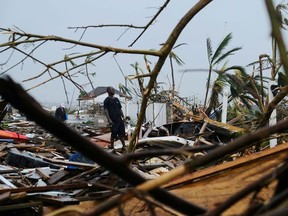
(277, 43)
(216, 58)
(243, 87)
(178, 60)
(222, 80)
(280, 8)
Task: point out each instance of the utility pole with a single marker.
(273, 119)
(225, 104)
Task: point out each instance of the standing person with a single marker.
(60, 113)
(115, 116)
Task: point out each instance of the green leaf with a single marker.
(221, 47)
(224, 56)
(176, 58)
(282, 79)
(209, 50)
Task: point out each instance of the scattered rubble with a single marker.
(50, 172)
(51, 168)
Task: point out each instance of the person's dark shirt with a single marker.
(60, 114)
(113, 106)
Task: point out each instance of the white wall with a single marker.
(155, 113)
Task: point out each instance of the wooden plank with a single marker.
(7, 182)
(21, 160)
(228, 127)
(72, 163)
(104, 137)
(33, 189)
(57, 176)
(233, 164)
(20, 206)
(16, 196)
(212, 186)
(4, 196)
(89, 172)
(99, 142)
(2, 147)
(60, 201)
(42, 173)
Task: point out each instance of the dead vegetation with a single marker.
(193, 166)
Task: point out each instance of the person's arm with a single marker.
(122, 114)
(121, 111)
(108, 117)
(56, 114)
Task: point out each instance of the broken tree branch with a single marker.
(19, 99)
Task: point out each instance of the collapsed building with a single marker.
(192, 166)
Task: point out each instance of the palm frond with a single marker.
(282, 79)
(285, 21)
(146, 59)
(223, 69)
(236, 83)
(220, 82)
(252, 63)
(225, 55)
(234, 92)
(130, 78)
(209, 50)
(217, 89)
(247, 100)
(176, 58)
(234, 78)
(258, 78)
(181, 44)
(221, 47)
(124, 89)
(135, 66)
(279, 9)
(238, 70)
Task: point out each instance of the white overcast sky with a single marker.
(247, 20)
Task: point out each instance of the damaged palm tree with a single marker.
(162, 54)
(25, 103)
(151, 191)
(215, 59)
(19, 99)
(278, 23)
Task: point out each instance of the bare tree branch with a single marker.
(125, 25)
(19, 99)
